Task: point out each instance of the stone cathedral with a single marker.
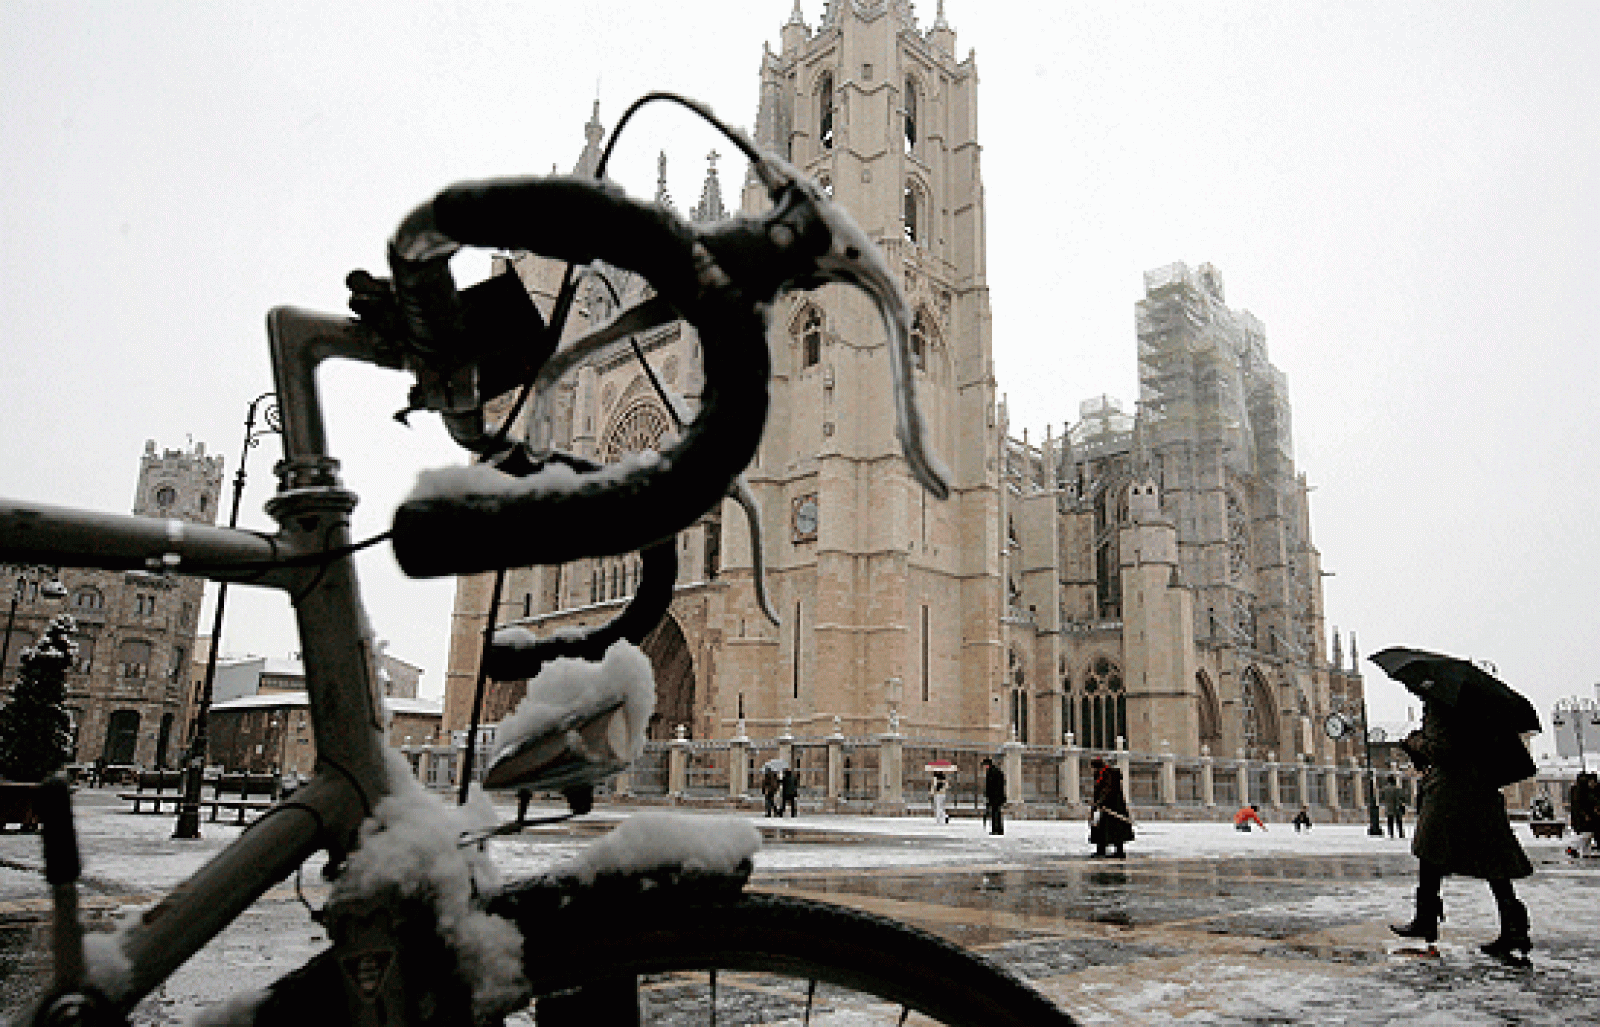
(1146, 577)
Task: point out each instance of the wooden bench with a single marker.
(175, 799)
(1548, 828)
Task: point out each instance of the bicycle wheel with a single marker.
(788, 937)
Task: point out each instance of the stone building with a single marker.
(1148, 578)
(127, 691)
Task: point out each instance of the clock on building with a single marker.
(805, 518)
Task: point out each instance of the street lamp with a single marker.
(1579, 710)
(188, 825)
(52, 588)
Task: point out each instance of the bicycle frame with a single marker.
(308, 558)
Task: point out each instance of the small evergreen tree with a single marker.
(35, 730)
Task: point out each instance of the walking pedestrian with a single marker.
(939, 792)
(1109, 822)
(769, 790)
(994, 795)
(1394, 807)
(1302, 819)
(1247, 815)
(791, 793)
(1462, 827)
(1583, 810)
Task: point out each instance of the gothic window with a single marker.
(176, 673)
(88, 600)
(1103, 705)
(825, 110)
(911, 114)
(1210, 714)
(1018, 681)
(133, 658)
(919, 339)
(1260, 726)
(809, 336)
(166, 495)
(640, 427)
(84, 660)
(913, 205)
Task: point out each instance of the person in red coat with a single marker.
(1109, 822)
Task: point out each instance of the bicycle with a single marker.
(416, 936)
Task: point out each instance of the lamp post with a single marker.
(1579, 710)
(188, 825)
(50, 589)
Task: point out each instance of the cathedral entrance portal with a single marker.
(668, 652)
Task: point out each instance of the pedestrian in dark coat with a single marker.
(1394, 806)
(994, 795)
(769, 791)
(1583, 808)
(1462, 827)
(1109, 822)
(791, 793)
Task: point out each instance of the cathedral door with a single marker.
(668, 652)
(122, 737)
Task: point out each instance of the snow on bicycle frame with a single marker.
(465, 349)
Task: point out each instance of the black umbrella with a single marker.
(1461, 684)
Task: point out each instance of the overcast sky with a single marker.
(1404, 193)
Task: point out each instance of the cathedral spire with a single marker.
(593, 132)
(1338, 651)
(710, 207)
(662, 196)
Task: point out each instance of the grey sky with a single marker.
(1404, 193)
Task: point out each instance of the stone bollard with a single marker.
(1303, 780)
(1123, 763)
(678, 765)
(891, 773)
(786, 742)
(1071, 769)
(1208, 780)
(1169, 775)
(738, 764)
(1242, 777)
(1011, 763)
(835, 789)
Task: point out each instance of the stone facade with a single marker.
(1081, 585)
(127, 692)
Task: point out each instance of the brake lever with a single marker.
(801, 219)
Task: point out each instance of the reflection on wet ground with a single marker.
(1238, 940)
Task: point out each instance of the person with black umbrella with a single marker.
(1467, 749)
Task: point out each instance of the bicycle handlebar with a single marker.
(556, 515)
(722, 279)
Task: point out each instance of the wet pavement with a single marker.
(1195, 927)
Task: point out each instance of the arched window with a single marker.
(913, 204)
(825, 110)
(1103, 705)
(911, 114)
(636, 429)
(88, 599)
(1210, 713)
(1260, 726)
(808, 334)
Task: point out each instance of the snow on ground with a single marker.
(1300, 949)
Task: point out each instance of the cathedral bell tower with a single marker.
(890, 599)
